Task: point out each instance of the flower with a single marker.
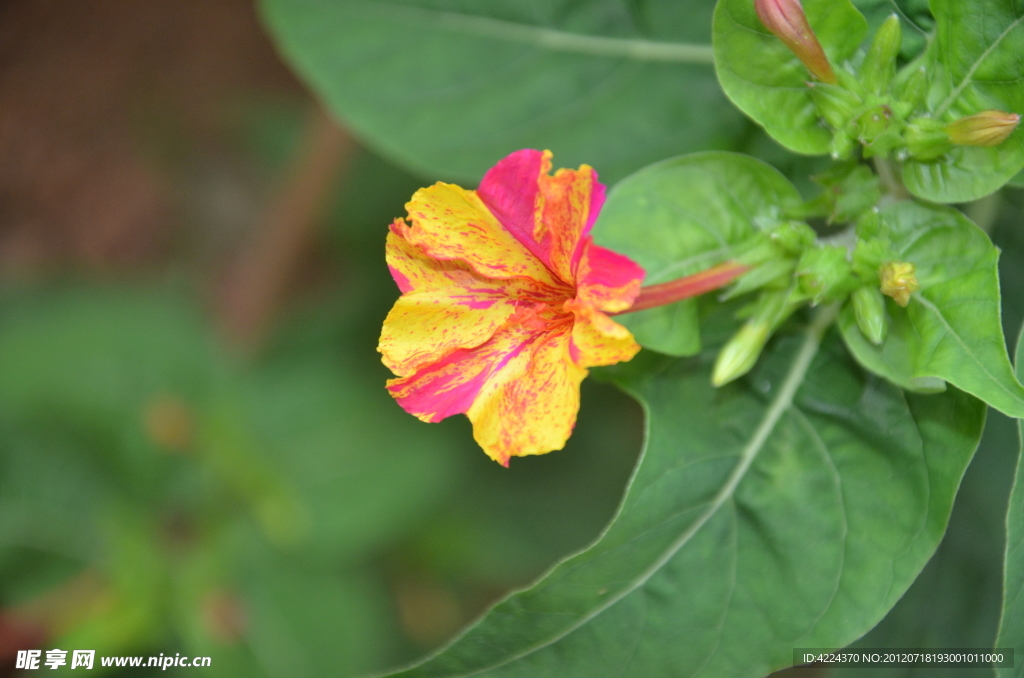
(898, 279)
(787, 21)
(988, 128)
(505, 303)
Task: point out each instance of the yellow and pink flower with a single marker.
(505, 303)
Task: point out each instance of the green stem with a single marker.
(559, 41)
(892, 185)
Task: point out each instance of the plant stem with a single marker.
(892, 186)
(670, 292)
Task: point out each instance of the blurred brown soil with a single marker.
(78, 83)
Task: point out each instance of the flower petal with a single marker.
(448, 306)
(414, 271)
(599, 340)
(530, 405)
(449, 222)
(550, 215)
(450, 385)
(607, 280)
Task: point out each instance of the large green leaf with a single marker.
(791, 508)
(767, 81)
(951, 330)
(681, 216)
(448, 87)
(956, 600)
(1011, 628)
(975, 65)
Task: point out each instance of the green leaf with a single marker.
(793, 507)
(951, 330)
(1011, 628)
(767, 82)
(956, 600)
(447, 88)
(915, 18)
(682, 216)
(975, 66)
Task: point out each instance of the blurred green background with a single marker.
(197, 453)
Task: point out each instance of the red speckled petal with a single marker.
(607, 280)
(451, 223)
(530, 406)
(550, 215)
(450, 385)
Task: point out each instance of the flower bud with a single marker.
(870, 252)
(926, 139)
(914, 87)
(880, 63)
(869, 309)
(837, 105)
(898, 279)
(786, 19)
(988, 128)
(792, 236)
(740, 354)
(823, 270)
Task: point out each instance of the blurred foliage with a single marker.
(160, 492)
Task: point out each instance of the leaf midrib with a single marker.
(968, 77)
(813, 335)
(555, 40)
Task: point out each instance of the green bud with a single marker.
(870, 224)
(885, 143)
(740, 354)
(879, 65)
(869, 255)
(774, 272)
(823, 272)
(873, 123)
(914, 87)
(837, 105)
(927, 139)
(843, 145)
(869, 308)
(792, 236)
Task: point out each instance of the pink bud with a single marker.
(988, 128)
(786, 19)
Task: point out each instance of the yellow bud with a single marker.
(787, 21)
(898, 280)
(988, 128)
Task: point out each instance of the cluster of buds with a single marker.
(789, 267)
(865, 111)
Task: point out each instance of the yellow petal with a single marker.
(599, 340)
(449, 222)
(530, 405)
